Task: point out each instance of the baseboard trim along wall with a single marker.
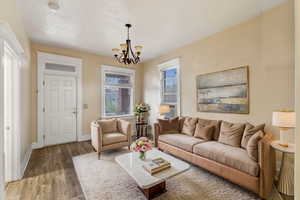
(25, 162)
(84, 137)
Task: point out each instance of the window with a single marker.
(118, 90)
(170, 88)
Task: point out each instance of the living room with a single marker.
(210, 87)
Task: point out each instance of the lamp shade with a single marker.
(163, 109)
(284, 119)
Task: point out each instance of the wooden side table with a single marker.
(141, 129)
(286, 175)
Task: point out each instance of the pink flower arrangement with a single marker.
(143, 144)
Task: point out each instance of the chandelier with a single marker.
(126, 55)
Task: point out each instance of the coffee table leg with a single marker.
(155, 190)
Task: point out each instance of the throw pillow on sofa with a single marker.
(189, 126)
(231, 134)
(204, 132)
(252, 145)
(249, 131)
(215, 123)
(169, 125)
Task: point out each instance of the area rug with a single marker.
(105, 180)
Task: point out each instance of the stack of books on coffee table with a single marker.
(157, 165)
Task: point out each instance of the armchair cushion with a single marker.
(112, 138)
(108, 125)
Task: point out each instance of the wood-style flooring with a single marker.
(50, 174)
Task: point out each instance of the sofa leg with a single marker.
(99, 154)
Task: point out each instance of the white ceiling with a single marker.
(97, 26)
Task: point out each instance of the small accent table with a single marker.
(286, 176)
(141, 129)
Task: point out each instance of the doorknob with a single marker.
(7, 128)
(75, 112)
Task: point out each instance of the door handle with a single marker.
(7, 128)
(75, 112)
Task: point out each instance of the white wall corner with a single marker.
(84, 137)
(25, 161)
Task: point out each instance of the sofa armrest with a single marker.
(267, 162)
(124, 127)
(156, 133)
(96, 135)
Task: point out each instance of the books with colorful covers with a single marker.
(157, 165)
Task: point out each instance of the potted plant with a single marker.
(141, 110)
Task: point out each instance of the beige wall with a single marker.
(10, 15)
(297, 102)
(265, 43)
(90, 79)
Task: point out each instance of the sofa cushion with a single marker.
(168, 125)
(215, 123)
(234, 157)
(189, 126)
(249, 131)
(252, 145)
(112, 138)
(231, 134)
(108, 125)
(204, 132)
(180, 140)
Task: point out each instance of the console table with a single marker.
(141, 129)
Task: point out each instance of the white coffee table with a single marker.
(151, 185)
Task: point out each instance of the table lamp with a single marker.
(284, 120)
(164, 109)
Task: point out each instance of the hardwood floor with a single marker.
(50, 174)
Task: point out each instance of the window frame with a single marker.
(105, 69)
(171, 64)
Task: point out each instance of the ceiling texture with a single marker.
(97, 26)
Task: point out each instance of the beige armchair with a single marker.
(110, 134)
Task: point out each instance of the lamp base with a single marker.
(283, 137)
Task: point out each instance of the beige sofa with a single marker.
(110, 134)
(232, 163)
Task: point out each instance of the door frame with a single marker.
(7, 35)
(42, 59)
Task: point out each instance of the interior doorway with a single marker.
(59, 100)
(12, 91)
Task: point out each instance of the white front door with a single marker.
(60, 106)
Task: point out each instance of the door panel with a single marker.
(60, 109)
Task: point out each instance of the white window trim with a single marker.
(63, 60)
(171, 64)
(114, 69)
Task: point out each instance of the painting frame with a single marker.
(246, 84)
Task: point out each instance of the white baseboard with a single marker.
(84, 137)
(36, 146)
(25, 161)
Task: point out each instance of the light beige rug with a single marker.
(105, 180)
